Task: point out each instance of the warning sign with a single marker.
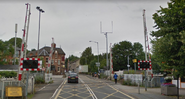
(13, 91)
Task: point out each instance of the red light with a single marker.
(69, 77)
(76, 76)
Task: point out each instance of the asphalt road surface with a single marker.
(89, 88)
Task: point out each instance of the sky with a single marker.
(73, 23)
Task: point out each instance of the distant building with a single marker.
(73, 66)
(10, 59)
(57, 62)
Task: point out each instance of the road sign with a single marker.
(128, 65)
(13, 91)
(97, 64)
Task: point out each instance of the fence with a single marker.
(4, 84)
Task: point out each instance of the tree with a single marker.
(120, 53)
(169, 41)
(87, 56)
(18, 41)
(33, 49)
(138, 51)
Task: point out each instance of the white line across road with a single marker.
(89, 89)
(57, 89)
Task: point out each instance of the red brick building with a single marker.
(57, 62)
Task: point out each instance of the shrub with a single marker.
(8, 74)
(39, 80)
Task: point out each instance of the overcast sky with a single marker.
(73, 23)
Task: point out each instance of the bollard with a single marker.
(138, 89)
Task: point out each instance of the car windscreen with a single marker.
(73, 75)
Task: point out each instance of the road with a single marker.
(89, 88)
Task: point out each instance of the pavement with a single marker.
(135, 91)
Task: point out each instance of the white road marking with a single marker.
(43, 87)
(89, 89)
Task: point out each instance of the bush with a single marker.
(103, 76)
(39, 80)
(129, 72)
(8, 74)
(127, 82)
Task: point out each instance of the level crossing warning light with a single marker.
(144, 65)
(30, 64)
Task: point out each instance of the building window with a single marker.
(62, 58)
(58, 62)
(58, 69)
(46, 60)
(52, 62)
(56, 55)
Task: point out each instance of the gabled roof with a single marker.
(45, 51)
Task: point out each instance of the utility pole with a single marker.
(105, 33)
(15, 44)
(111, 62)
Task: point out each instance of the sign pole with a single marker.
(27, 84)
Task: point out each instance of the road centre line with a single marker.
(120, 91)
(43, 87)
(89, 89)
(58, 88)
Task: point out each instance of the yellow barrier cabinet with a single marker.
(13, 91)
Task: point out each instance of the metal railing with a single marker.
(8, 83)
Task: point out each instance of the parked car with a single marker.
(73, 77)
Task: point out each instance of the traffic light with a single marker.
(31, 64)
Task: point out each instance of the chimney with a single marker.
(54, 45)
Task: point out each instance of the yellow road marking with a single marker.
(110, 94)
(121, 92)
(60, 90)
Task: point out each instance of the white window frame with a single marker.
(58, 68)
(58, 62)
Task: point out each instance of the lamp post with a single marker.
(97, 50)
(40, 10)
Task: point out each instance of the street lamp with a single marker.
(40, 10)
(98, 53)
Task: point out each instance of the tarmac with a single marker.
(137, 92)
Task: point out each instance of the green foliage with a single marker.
(7, 49)
(103, 76)
(127, 82)
(18, 41)
(124, 49)
(92, 66)
(39, 80)
(129, 72)
(169, 42)
(8, 74)
(87, 56)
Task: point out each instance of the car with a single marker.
(73, 77)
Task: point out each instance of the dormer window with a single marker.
(56, 54)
